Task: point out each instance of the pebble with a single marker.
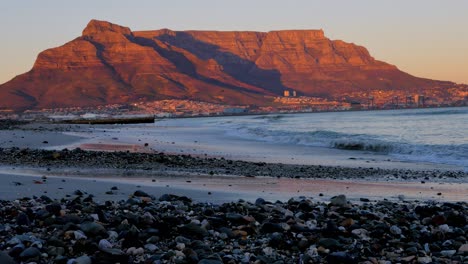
(30, 253)
(339, 200)
(395, 230)
(6, 259)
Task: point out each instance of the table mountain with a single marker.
(111, 64)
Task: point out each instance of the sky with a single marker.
(426, 38)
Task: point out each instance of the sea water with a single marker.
(421, 135)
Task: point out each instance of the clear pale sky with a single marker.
(426, 38)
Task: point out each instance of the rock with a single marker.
(339, 200)
(448, 253)
(92, 228)
(30, 253)
(271, 228)
(395, 230)
(140, 193)
(341, 257)
(23, 220)
(55, 251)
(236, 218)
(104, 244)
(424, 260)
(78, 234)
(6, 259)
(151, 247)
(329, 243)
(444, 228)
(83, 260)
(363, 234)
(193, 230)
(210, 261)
(78, 192)
(54, 208)
(463, 249)
(259, 201)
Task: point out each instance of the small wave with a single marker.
(374, 147)
(433, 112)
(448, 154)
(270, 117)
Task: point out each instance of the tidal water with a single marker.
(415, 135)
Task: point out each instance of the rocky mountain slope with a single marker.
(110, 64)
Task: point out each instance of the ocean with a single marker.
(437, 136)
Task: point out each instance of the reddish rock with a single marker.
(111, 64)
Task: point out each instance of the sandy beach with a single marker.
(94, 195)
(209, 169)
(18, 182)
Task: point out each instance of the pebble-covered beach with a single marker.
(173, 229)
(161, 162)
(145, 227)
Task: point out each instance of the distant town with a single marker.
(290, 102)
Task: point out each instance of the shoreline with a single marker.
(206, 142)
(219, 188)
(157, 162)
(78, 206)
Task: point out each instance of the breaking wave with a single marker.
(448, 154)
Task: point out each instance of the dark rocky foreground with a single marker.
(160, 162)
(173, 229)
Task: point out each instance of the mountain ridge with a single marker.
(110, 64)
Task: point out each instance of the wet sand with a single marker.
(223, 188)
(219, 189)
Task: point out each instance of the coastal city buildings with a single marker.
(289, 102)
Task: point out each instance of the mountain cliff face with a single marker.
(109, 64)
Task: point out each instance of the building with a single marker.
(355, 105)
(289, 93)
(420, 100)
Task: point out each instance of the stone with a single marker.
(30, 253)
(210, 261)
(329, 243)
(339, 200)
(54, 208)
(193, 230)
(83, 260)
(395, 230)
(448, 253)
(340, 257)
(269, 227)
(140, 193)
(363, 234)
(463, 248)
(104, 244)
(6, 259)
(92, 228)
(424, 260)
(23, 219)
